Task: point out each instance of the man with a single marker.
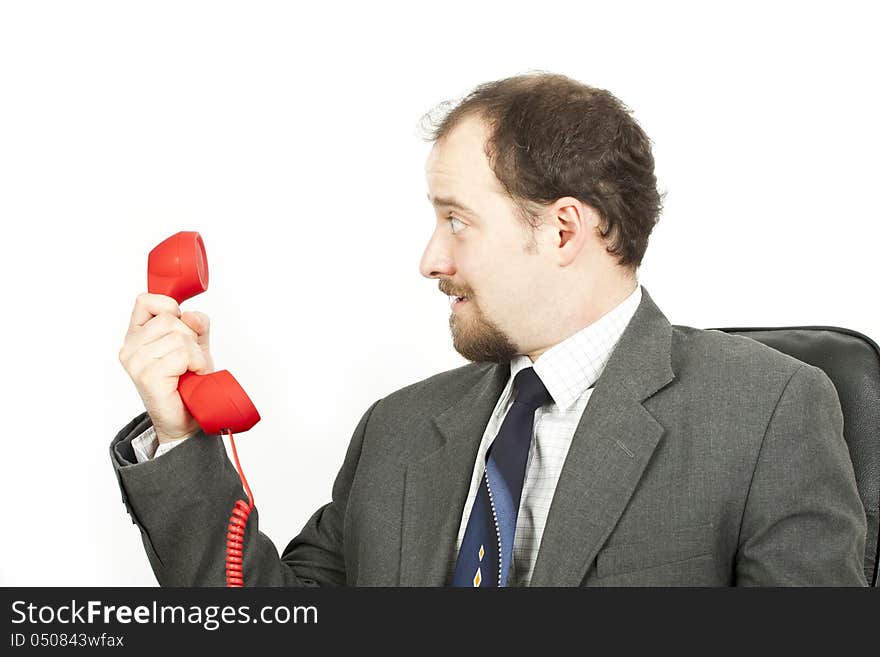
(588, 443)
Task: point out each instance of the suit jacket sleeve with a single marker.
(181, 502)
(803, 523)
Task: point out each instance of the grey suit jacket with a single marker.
(701, 459)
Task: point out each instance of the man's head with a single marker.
(545, 195)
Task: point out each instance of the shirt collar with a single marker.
(572, 366)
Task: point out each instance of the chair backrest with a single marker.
(852, 362)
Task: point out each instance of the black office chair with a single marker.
(852, 362)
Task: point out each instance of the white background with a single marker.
(286, 134)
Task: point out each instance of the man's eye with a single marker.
(452, 220)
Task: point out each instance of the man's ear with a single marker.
(573, 223)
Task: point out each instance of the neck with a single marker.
(602, 298)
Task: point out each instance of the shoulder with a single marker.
(712, 350)
(723, 376)
(743, 367)
(440, 391)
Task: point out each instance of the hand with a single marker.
(161, 344)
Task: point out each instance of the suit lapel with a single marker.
(611, 447)
(437, 483)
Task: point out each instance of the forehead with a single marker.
(458, 162)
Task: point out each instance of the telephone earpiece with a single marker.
(178, 268)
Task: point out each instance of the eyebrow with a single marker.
(447, 202)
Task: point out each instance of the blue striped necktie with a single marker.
(487, 547)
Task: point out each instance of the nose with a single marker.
(437, 259)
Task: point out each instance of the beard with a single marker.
(477, 338)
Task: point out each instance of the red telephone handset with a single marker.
(178, 268)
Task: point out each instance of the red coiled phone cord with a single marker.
(235, 531)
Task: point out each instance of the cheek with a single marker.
(518, 297)
(486, 255)
(498, 294)
(498, 271)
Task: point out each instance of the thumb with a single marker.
(198, 322)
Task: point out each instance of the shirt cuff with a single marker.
(146, 446)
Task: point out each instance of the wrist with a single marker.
(165, 438)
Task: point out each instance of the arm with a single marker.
(803, 523)
(182, 501)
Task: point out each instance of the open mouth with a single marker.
(457, 301)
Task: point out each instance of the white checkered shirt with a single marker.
(568, 370)
(146, 446)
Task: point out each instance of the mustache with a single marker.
(449, 291)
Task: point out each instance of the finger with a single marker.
(171, 356)
(163, 346)
(200, 323)
(149, 305)
(160, 326)
(146, 356)
(171, 364)
(198, 361)
(186, 358)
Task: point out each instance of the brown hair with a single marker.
(551, 136)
